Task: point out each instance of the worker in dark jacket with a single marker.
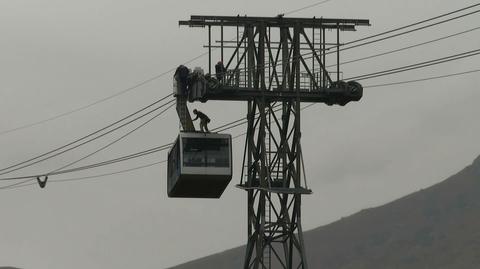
(220, 71)
(204, 119)
(181, 76)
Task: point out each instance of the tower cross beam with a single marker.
(277, 21)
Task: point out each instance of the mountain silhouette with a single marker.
(437, 227)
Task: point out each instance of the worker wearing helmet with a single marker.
(204, 120)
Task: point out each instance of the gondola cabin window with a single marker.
(206, 152)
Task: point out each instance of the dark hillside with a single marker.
(438, 227)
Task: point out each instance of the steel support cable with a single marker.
(406, 32)
(110, 97)
(124, 158)
(408, 47)
(394, 83)
(103, 99)
(417, 65)
(306, 7)
(116, 160)
(463, 15)
(109, 162)
(412, 24)
(128, 157)
(276, 110)
(114, 141)
(189, 61)
(240, 123)
(166, 146)
(91, 166)
(382, 39)
(393, 30)
(244, 120)
(449, 58)
(423, 79)
(95, 165)
(86, 136)
(18, 185)
(109, 174)
(38, 160)
(70, 112)
(223, 127)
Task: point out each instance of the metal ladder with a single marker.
(184, 114)
(267, 251)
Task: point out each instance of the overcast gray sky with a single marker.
(59, 55)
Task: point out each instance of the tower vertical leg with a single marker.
(273, 180)
(273, 183)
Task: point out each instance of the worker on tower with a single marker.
(181, 76)
(220, 71)
(204, 120)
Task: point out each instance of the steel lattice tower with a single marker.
(277, 64)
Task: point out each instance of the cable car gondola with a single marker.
(199, 165)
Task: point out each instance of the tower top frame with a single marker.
(277, 21)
